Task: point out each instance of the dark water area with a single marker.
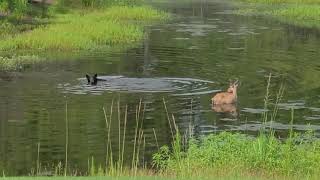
(183, 61)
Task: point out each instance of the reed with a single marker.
(124, 136)
(67, 142)
(168, 118)
(38, 160)
(119, 135)
(155, 138)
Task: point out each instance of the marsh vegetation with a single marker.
(305, 13)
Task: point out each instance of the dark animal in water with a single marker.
(94, 79)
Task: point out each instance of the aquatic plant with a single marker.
(15, 63)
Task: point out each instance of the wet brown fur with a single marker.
(228, 97)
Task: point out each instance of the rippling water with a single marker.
(184, 62)
(174, 86)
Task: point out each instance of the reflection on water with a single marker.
(178, 62)
(226, 108)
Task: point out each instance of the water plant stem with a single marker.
(67, 139)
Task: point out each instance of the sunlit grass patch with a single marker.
(284, 1)
(18, 62)
(307, 16)
(297, 12)
(86, 30)
(135, 13)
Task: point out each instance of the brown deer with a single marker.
(228, 97)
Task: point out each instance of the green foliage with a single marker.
(21, 8)
(17, 7)
(241, 153)
(4, 7)
(160, 159)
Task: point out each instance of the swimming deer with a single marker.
(228, 97)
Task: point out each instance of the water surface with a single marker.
(184, 62)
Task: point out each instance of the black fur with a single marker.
(94, 79)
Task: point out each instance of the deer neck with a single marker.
(234, 92)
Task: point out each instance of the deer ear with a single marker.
(95, 77)
(236, 83)
(88, 78)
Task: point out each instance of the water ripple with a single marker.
(175, 86)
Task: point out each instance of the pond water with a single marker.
(182, 62)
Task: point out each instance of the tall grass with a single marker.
(17, 7)
(114, 160)
(86, 31)
(238, 154)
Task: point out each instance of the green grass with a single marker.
(304, 13)
(117, 178)
(301, 15)
(84, 178)
(228, 154)
(284, 1)
(16, 63)
(85, 31)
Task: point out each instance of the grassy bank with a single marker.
(304, 13)
(120, 178)
(79, 30)
(226, 156)
(238, 155)
(85, 31)
(85, 178)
